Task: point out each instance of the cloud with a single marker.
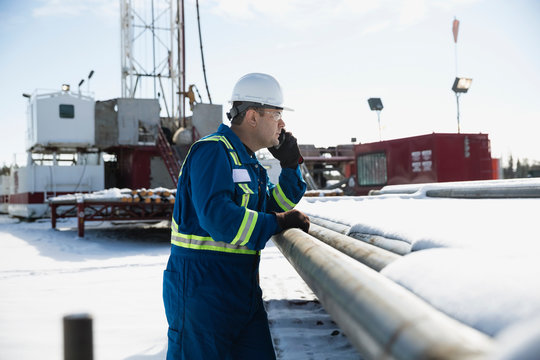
(288, 10)
(377, 27)
(60, 8)
(371, 16)
(412, 12)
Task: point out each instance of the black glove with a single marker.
(293, 219)
(287, 152)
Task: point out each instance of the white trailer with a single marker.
(61, 153)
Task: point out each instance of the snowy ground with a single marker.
(114, 273)
(476, 260)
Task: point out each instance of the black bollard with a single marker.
(78, 342)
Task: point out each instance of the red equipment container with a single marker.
(421, 159)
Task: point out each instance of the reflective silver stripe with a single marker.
(221, 138)
(246, 228)
(245, 200)
(281, 199)
(207, 243)
(174, 225)
(228, 145)
(250, 227)
(235, 158)
(245, 188)
(247, 191)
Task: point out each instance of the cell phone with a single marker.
(281, 139)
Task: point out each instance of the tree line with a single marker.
(521, 169)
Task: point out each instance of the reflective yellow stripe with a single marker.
(235, 158)
(206, 243)
(225, 141)
(246, 228)
(214, 248)
(251, 227)
(174, 225)
(228, 145)
(281, 199)
(245, 200)
(247, 191)
(245, 188)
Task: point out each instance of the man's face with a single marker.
(271, 124)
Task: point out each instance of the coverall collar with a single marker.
(241, 150)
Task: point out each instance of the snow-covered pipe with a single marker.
(372, 256)
(396, 246)
(524, 191)
(381, 319)
(334, 226)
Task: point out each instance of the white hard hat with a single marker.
(259, 88)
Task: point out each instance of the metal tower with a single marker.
(153, 59)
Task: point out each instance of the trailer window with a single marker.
(371, 169)
(67, 111)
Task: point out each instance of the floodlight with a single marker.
(461, 85)
(65, 87)
(81, 82)
(27, 95)
(375, 104)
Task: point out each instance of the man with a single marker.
(225, 212)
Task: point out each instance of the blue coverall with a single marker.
(221, 221)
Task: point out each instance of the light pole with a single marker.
(375, 104)
(461, 86)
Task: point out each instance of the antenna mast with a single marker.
(153, 59)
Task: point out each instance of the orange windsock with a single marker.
(455, 29)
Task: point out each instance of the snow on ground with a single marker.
(474, 259)
(477, 260)
(114, 273)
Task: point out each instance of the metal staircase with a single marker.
(169, 155)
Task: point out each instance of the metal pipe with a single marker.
(379, 317)
(396, 246)
(479, 189)
(493, 192)
(334, 226)
(372, 256)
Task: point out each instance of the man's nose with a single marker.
(281, 123)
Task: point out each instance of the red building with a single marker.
(419, 159)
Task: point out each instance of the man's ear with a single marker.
(251, 118)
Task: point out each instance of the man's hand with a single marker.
(293, 219)
(287, 152)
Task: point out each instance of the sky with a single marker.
(329, 56)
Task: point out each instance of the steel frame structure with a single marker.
(153, 56)
(108, 211)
